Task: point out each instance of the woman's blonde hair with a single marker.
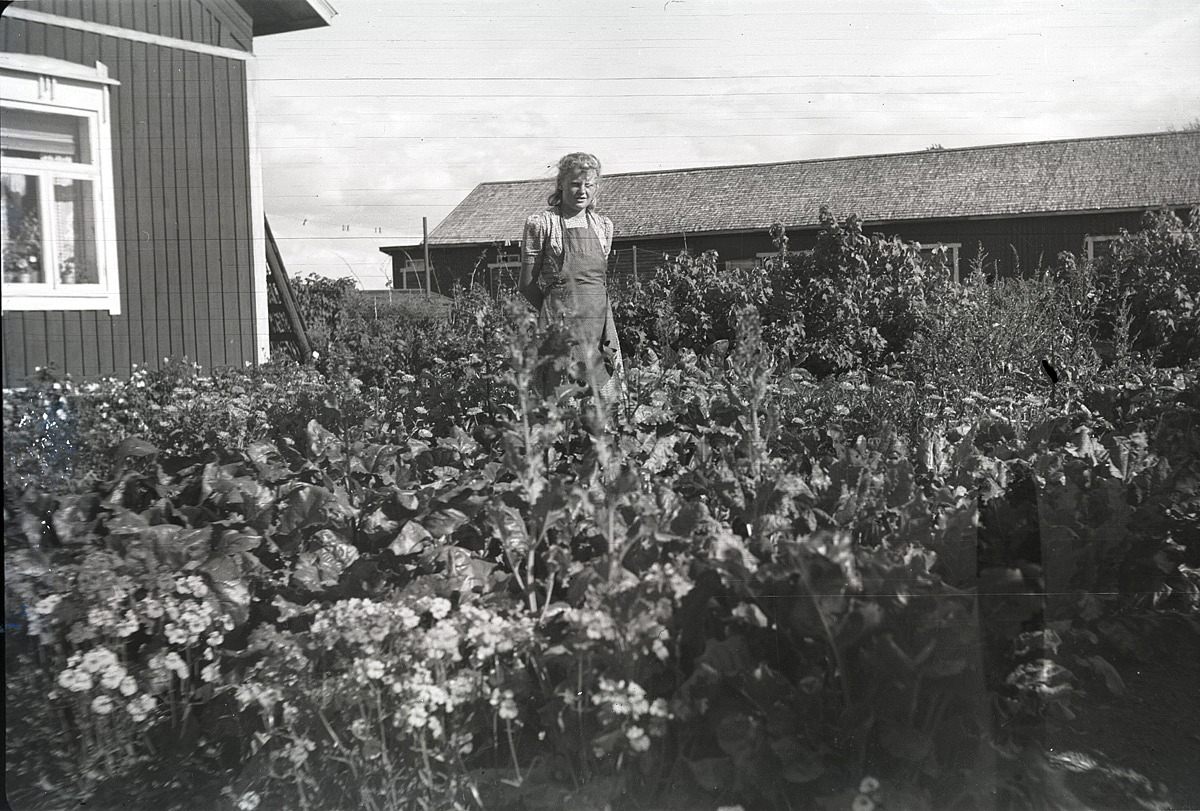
(569, 166)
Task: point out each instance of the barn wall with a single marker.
(181, 166)
(1011, 246)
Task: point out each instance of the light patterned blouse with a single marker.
(545, 266)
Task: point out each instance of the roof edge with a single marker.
(862, 157)
(866, 224)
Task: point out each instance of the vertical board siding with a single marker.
(191, 247)
(37, 349)
(189, 141)
(226, 222)
(177, 212)
(143, 339)
(236, 94)
(181, 185)
(139, 15)
(212, 210)
(56, 342)
(165, 315)
(14, 347)
(238, 28)
(210, 22)
(108, 51)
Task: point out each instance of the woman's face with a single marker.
(579, 190)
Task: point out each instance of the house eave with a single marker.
(284, 16)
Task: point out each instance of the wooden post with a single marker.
(284, 288)
(635, 264)
(425, 243)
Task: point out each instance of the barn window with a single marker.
(57, 215)
(506, 270)
(1098, 246)
(412, 274)
(948, 251)
(758, 261)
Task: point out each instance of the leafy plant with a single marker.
(1152, 278)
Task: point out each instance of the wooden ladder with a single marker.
(282, 310)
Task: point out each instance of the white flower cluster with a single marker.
(505, 703)
(643, 630)
(297, 751)
(668, 577)
(264, 695)
(102, 665)
(363, 623)
(373, 669)
(425, 699)
(426, 665)
(180, 607)
(165, 664)
(598, 624)
(194, 614)
(443, 641)
(626, 701)
(489, 634)
(105, 621)
(142, 706)
(248, 801)
(868, 795)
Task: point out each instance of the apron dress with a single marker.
(581, 302)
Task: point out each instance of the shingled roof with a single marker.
(1046, 177)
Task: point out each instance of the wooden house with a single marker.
(1015, 206)
(133, 226)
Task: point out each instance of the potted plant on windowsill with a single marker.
(22, 254)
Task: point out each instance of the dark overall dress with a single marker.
(581, 302)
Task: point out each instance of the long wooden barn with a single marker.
(1015, 206)
(133, 221)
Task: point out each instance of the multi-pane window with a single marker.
(412, 275)
(57, 223)
(1098, 246)
(759, 260)
(506, 270)
(945, 252)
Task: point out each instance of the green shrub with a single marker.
(990, 337)
(42, 445)
(1149, 288)
(321, 302)
(689, 303)
(858, 300)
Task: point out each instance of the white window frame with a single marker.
(742, 264)
(416, 267)
(42, 84)
(955, 249)
(506, 259)
(1090, 243)
(759, 260)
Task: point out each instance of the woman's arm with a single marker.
(532, 256)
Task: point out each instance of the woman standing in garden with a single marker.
(564, 265)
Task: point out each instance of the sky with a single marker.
(397, 109)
